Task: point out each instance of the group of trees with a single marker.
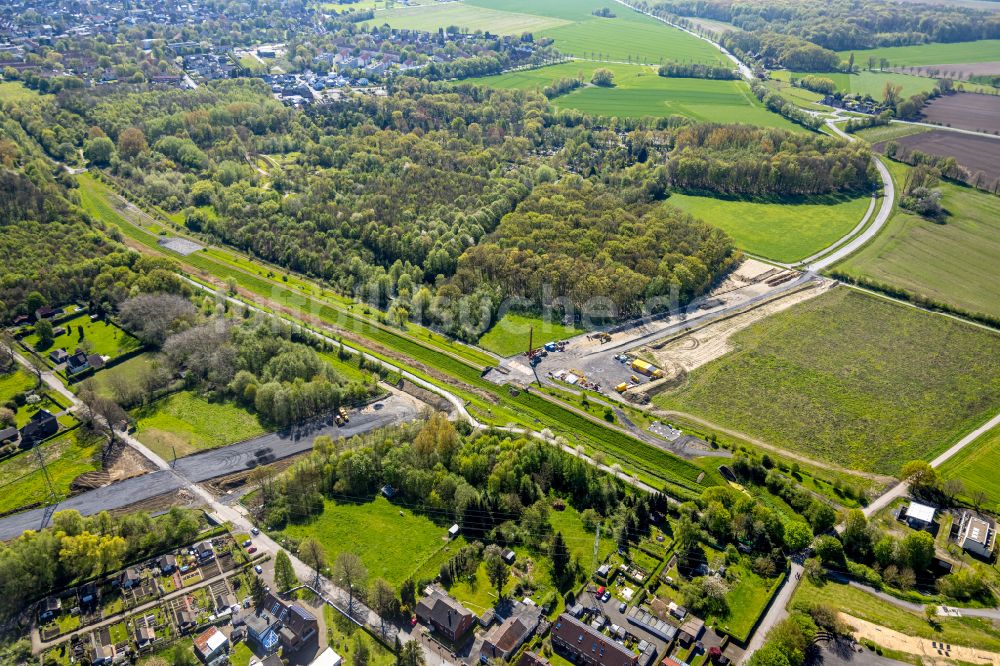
(562, 86)
(782, 106)
(694, 70)
(920, 193)
(772, 48)
(76, 548)
(819, 84)
(746, 160)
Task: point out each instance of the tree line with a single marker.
(683, 70)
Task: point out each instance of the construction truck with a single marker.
(343, 414)
(647, 369)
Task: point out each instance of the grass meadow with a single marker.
(67, 457)
(392, 542)
(976, 466)
(99, 337)
(866, 82)
(985, 50)
(785, 230)
(851, 378)
(13, 383)
(889, 132)
(15, 91)
(509, 336)
(957, 262)
(185, 423)
(466, 17)
(639, 91)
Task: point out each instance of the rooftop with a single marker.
(920, 512)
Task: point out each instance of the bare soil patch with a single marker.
(975, 153)
(971, 111)
(931, 652)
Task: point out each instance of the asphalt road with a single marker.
(211, 464)
(276, 445)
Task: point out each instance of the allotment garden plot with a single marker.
(853, 379)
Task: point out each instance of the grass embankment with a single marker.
(66, 458)
(639, 91)
(956, 262)
(500, 408)
(392, 542)
(785, 230)
(853, 379)
(967, 631)
(889, 132)
(185, 423)
(510, 335)
(976, 466)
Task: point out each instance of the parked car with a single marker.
(252, 549)
(254, 531)
(622, 606)
(246, 544)
(413, 621)
(607, 596)
(258, 569)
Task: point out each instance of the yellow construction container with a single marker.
(645, 368)
(621, 388)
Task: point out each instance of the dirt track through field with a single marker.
(928, 650)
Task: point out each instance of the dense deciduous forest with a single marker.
(740, 159)
(840, 25)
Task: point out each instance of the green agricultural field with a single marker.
(185, 423)
(807, 99)
(510, 335)
(393, 542)
(954, 263)
(15, 91)
(975, 466)
(639, 91)
(67, 457)
(866, 82)
(967, 631)
(851, 378)
(986, 50)
(465, 17)
(784, 230)
(99, 337)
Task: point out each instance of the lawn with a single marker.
(13, 383)
(343, 635)
(99, 337)
(392, 542)
(968, 631)
(986, 50)
(466, 17)
(579, 541)
(973, 465)
(66, 457)
(479, 595)
(783, 230)
(957, 263)
(131, 370)
(889, 132)
(851, 378)
(185, 423)
(639, 91)
(748, 596)
(509, 336)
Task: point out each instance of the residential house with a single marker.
(976, 535)
(529, 658)
(145, 635)
(503, 640)
(89, 594)
(581, 644)
(279, 622)
(58, 356)
(129, 578)
(204, 551)
(166, 564)
(47, 312)
(10, 434)
(210, 644)
(224, 602)
(48, 608)
(77, 363)
(919, 516)
(95, 361)
(101, 655)
(445, 615)
(184, 619)
(41, 426)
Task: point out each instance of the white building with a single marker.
(976, 535)
(327, 658)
